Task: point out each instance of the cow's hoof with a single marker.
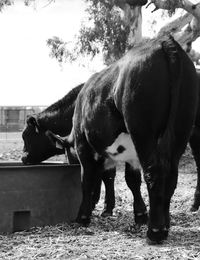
(83, 220)
(107, 213)
(194, 208)
(141, 218)
(156, 236)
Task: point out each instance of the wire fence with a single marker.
(13, 120)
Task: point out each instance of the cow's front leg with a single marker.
(155, 179)
(133, 180)
(90, 176)
(96, 193)
(108, 178)
(86, 204)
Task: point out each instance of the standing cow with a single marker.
(58, 119)
(139, 110)
(38, 148)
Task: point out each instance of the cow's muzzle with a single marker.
(24, 159)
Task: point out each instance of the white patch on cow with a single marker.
(129, 153)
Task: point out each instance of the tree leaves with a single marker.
(4, 3)
(105, 33)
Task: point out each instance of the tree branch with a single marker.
(171, 5)
(132, 17)
(176, 25)
(192, 31)
(132, 3)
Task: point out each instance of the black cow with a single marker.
(58, 118)
(139, 110)
(194, 143)
(38, 147)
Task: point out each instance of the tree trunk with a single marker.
(133, 18)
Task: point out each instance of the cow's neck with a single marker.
(58, 116)
(57, 122)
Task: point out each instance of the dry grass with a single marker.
(116, 237)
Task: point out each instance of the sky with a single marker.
(28, 75)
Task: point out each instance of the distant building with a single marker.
(13, 118)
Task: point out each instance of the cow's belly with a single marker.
(122, 150)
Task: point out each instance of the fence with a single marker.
(13, 119)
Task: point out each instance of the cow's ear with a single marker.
(31, 121)
(56, 140)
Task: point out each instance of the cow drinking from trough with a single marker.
(58, 119)
(139, 110)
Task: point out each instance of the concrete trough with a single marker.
(38, 195)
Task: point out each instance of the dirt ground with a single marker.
(115, 237)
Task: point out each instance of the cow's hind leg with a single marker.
(170, 186)
(133, 180)
(96, 193)
(161, 187)
(155, 179)
(195, 146)
(155, 169)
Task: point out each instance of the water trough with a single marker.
(38, 195)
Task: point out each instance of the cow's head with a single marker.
(37, 145)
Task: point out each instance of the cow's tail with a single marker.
(173, 53)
